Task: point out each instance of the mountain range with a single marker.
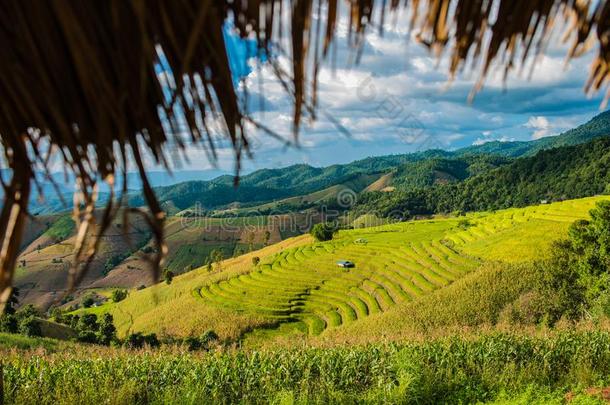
(291, 187)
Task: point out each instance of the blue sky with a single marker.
(398, 100)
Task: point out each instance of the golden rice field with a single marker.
(298, 283)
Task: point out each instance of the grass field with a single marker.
(297, 289)
(10, 341)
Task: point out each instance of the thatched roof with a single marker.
(78, 80)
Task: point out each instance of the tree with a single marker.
(107, 330)
(88, 322)
(192, 343)
(30, 326)
(208, 337)
(151, 340)
(267, 237)
(323, 231)
(202, 342)
(87, 336)
(13, 301)
(73, 321)
(28, 310)
(60, 316)
(137, 340)
(134, 341)
(87, 328)
(9, 323)
(89, 301)
(168, 276)
(575, 279)
(588, 251)
(217, 256)
(119, 295)
(561, 292)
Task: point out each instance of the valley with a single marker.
(212, 220)
(297, 289)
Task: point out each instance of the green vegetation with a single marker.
(61, 229)
(576, 278)
(203, 342)
(436, 170)
(168, 276)
(398, 264)
(396, 267)
(468, 276)
(480, 302)
(115, 260)
(323, 232)
(551, 175)
(119, 295)
(196, 254)
(88, 301)
(298, 287)
(490, 368)
(21, 342)
(139, 340)
(88, 328)
(24, 321)
(472, 179)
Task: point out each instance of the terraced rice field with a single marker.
(305, 284)
(393, 264)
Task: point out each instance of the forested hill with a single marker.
(554, 174)
(419, 169)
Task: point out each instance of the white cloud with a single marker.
(541, 126)
(481, 141)
(544, 126)
(397, 101)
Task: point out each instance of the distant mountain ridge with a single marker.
(417, 169)
(216, 191)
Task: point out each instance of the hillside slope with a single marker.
(298, 286)
(552, 175)
(121, 262)
(176, 309)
